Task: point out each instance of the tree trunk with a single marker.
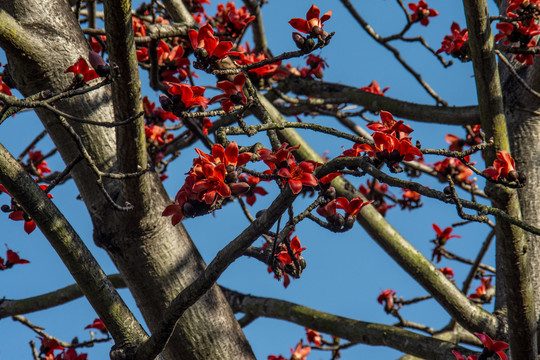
(156, 260)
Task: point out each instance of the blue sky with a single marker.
(345, 272)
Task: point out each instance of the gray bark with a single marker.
(156, 260)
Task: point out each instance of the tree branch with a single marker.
(512, 246)
(464, 115)
(352, 330)
(99, 291)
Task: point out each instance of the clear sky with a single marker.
(345, 272)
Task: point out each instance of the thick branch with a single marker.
(512, 246)
(83, 267)
(465, 115)
(49, 300)
(126, 88)
(353, 330)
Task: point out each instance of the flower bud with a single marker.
(231, 177)
(166, 102)
(299, 40)
(97, 62)
(330, 193)
(239, 188)
(5, 208)
(188, 210)
(201, 53)
(349, 221)
(316, 31)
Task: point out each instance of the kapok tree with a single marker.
(117, 146)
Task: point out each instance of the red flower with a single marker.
(493, 347)
(447, 271)
(410, 200)
(453, 167)
(300, 352)
(49, 345)
(98, 325)
(502, 166)
(36, 158)
(277, 158)
(374, 88)
(460, 357)
(274, 357)
(13, 258)
(421, 12)
(81, 67)
(156, 133)
(268, 70)
(312, 25)
(444, 235)
(213, 49)
(212, 187)
(387, 297)
(390, 126)
(4, 88)
(234, 93)
(284, 257)
(174, 57)
(316, 64)
(189, 95)
(71, 354)
(231, 20)
(390, 149)
(482, 290)
(453, 43)
(299, 175)
(313, 337)
(505, 32)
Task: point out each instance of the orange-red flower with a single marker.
(277, 158)
(4, 88)
(81, 67)
(299, 175)
(444, 235)
(460, 357)
(98, 325)
(482, 290)
(421, 12)
(207, 47)
(502, 166)
(187, 96)
(374, 88)
(212, 187)
(313, 337)
(389, 149)
(312, 24)
(453, 43)
(390, 126)
(300, 352)
(387, 297)
(234, 93)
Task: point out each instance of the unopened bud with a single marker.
(299, 40)
(6, 208)
(330, 193)
(188, 210)
(239, 188)
(349, 221)
(166, 102)
(201, 53)
(97, 62)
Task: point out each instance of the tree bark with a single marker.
(156, 259)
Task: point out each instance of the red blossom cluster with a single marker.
(520, 33)
(421, 12)
(254, 188)
(286, 265)
(212, 178)
(312, 24)
(282, 163)
(48, 346)
(209, 49)
(82, 73)
(391, 144)
(409, 200)
(3, 86)
(454, 44)
(448, 272)
(455, 168)
(232, 21)
(268, 71)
